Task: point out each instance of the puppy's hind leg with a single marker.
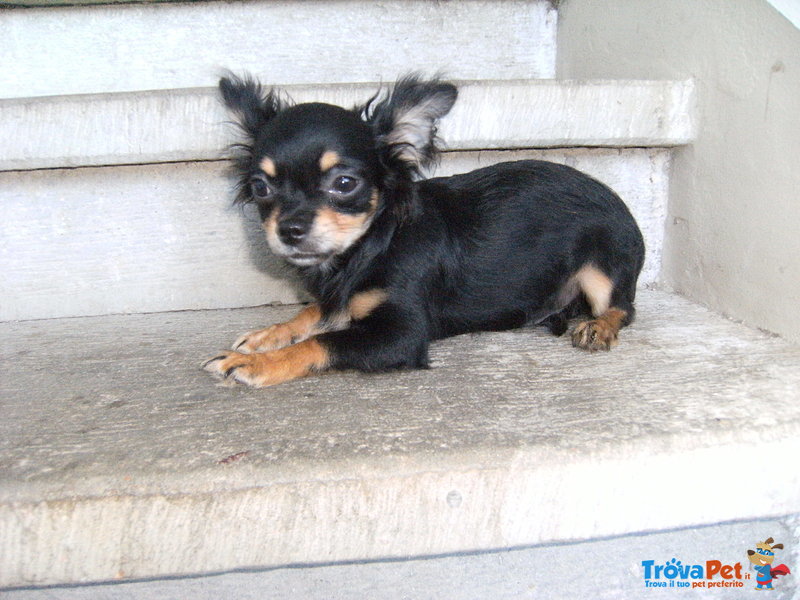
(612, 311)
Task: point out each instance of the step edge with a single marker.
(665, 117)
(527, 495)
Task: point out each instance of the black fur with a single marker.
(492, 249)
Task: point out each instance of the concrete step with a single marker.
(120, 459)
(555, 572)
(163, 46)
(94, 241)
(190, 124)
(126, 238)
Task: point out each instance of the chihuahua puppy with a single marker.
(394, 261)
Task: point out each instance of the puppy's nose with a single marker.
(292, 232)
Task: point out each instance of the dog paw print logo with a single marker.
(762, 558)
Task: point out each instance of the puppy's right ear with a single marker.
(246, 98)
(253, 108)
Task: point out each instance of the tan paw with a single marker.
(301, 327)
(269, 368)
(263, 340)
(594, 335)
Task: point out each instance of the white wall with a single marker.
(789, 9)
(732, 230)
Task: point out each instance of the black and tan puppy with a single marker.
(395, 262)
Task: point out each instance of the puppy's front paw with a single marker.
(263, 340)
(248, 369)
(269, 368)
(594, 335)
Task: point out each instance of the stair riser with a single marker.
(95, 241)
(324, 518)
(180, 46)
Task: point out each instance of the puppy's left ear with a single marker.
(405, 121)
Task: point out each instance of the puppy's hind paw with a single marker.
(594, 335)
(600, 333)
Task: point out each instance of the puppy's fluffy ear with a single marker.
(253, 106)
(405, 121)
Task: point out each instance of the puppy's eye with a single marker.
(260, 189)
(344, 184)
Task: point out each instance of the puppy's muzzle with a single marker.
(293, 231)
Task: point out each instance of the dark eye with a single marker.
(344, 184)
(260, 189)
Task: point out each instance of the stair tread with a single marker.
(124, 393)
(539, 441)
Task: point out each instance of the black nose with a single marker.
(292, 232)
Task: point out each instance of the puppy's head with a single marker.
(321, 174)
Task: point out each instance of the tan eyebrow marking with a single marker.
(328, 160)
(268, 166)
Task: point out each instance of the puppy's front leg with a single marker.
(380, 337)
(269, 368)
(391, 337)
(276, 354)
(304, 325)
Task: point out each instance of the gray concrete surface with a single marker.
(602, 569)
(119, 458)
